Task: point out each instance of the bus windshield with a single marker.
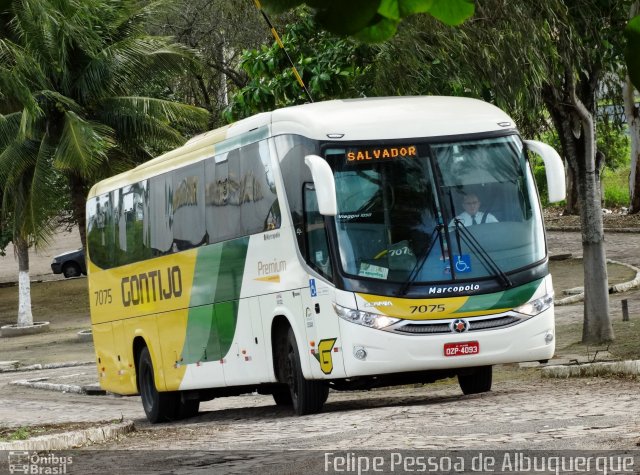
(425, 212)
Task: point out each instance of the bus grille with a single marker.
(441, 328)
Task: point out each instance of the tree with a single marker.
(69, 77)
(219, 30)
(632, 111)
(330, 66)
(376, 20)
(81, 67)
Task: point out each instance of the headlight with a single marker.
(536, 306)
(366, 319)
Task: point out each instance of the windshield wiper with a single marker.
(484, 256)
(422, 258)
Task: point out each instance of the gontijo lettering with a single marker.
(382, 153)
(151, 286)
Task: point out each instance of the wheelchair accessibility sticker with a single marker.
(312, 287)
(462, 263)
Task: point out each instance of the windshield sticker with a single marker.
(381, 153)
(371, 270)
(463, 263)
(354, 216)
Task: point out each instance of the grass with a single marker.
(616, 187)
(614, 182)
(10, 434)
(63, 302)
(624, 347)
(18, 433)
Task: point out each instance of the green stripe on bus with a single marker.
(213, 312)
(508, 299)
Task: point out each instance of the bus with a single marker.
(323, 246)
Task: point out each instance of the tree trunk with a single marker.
(578, 143)
(597, 323)
(25, 317)
(572, 205)
(633, 119)
(79, 189)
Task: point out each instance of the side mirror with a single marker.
(554, 169)
(324, 183)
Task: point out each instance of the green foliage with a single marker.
(71, 76)
(615, 144)
(616, 187)
(376, 20)
(632, 50)
(331, 67)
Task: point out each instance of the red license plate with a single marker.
(462, 349)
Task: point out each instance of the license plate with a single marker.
(462, 349)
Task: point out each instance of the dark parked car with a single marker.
(71, 264)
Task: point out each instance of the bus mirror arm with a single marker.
(554, 169)
(324, 183)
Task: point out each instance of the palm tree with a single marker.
(72, 104)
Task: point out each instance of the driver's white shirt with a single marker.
(467, 219)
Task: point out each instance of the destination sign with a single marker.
(381, 153)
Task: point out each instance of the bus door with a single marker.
(321, 323)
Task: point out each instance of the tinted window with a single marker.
(188, 207)
(259, 204)
(161, 214)
(223, 197)
(317, 243)
(100, 231)
(132, 229)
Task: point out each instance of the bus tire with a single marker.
(307, 396)
(188, 408)
(282, 396)
(158, 406)
(477, 381)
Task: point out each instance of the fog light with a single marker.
(548, 338)
(359, 352)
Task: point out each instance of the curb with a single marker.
(14, 368)
(587, 370)
(12, 331)
(578, 229)
(613, 289)
(39, 383)
(69, 440)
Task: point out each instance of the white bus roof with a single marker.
(376, 118)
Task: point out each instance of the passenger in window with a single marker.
(472, 214)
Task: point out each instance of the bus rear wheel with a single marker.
(477, 380)
(158, 406)
(307, 396)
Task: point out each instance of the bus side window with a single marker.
(161, 210)
(188, 207)
(259, 203)
(100, 231)
(317, 243)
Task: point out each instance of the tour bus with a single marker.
(323, 246)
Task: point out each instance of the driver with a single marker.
(472, 214)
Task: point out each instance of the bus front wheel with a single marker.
(158, 406)
(477, 380)
(307, 396)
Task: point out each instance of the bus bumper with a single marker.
(386, 352)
